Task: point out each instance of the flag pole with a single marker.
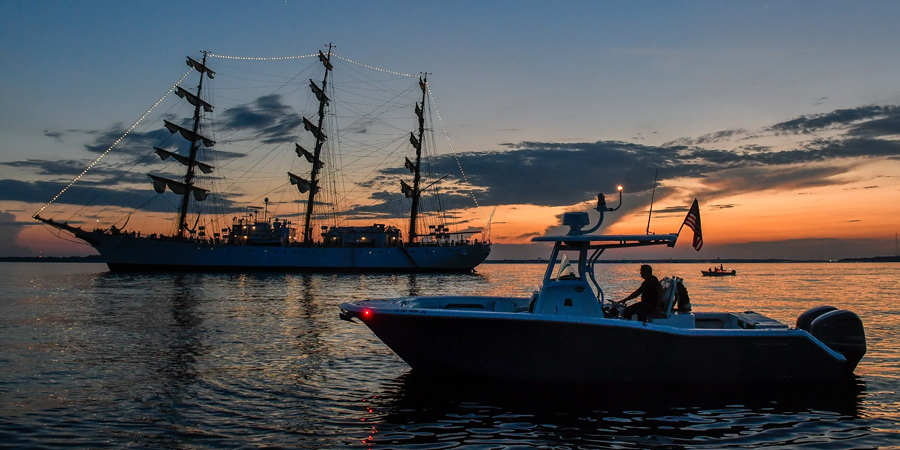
(652, 196)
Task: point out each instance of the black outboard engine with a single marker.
(842, 331)
(805, 320)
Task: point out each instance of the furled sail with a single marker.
(318, 91)
(309, 156)
(314, 129)
(415, 142)
(410, 165)
(421, 117)
(193, 99)
(160, 183)
(302, 184)
(199, 67)
(188, 134)
(165, 154)
(324, 60)
(406, 189)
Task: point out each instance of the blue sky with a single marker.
(648, 73)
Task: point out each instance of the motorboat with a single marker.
(718, 272)
(569, 332)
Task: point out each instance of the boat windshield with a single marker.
(566, 270)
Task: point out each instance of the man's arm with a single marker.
(633, 295)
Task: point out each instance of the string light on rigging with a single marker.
(132, 127)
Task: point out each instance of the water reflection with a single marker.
(421, 410)
(212, 361)
(185, 341)
(413, 285)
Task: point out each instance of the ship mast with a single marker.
(187, 188)
(414, 193)
(192, 157)
(317, 153)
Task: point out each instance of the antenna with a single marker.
(489, 223)
(652, 196)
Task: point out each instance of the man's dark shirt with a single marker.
(651, 291)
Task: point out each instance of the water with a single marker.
(90, 359)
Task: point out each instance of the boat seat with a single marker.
(756, 321)
(670, 287)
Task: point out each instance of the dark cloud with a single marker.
(84, 195)
(70, 168)
(134, 143)
(565, 173)
(558, 174)
(885, 126)
(268, 117)
(814, 122)
(711, 138)
(754, 179)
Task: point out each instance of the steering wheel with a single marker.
(613, 309)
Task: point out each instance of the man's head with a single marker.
(646, 270)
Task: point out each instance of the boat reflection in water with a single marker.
(418, 409)
(568, 332)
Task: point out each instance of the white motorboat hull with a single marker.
(553, 348)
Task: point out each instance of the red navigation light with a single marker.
(367, 313)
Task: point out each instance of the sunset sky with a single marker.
(781, 117)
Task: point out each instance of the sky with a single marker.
(781, 117)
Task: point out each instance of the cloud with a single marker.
(711, 138)
(84, 195)
(70, 168)
(814, 122)
(11, 229)
(559, 173)
(268, 117)
(135, 142)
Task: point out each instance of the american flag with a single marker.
(693, 222)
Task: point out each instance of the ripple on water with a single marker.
(97, 360)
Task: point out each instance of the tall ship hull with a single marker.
(315, 226)
(132, 253)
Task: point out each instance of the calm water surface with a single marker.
(89, 360)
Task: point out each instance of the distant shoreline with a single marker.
(54, 259)
(99, 259)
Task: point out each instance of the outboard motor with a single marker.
(805, 320)
(842, 331)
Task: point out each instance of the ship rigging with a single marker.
(331, 179)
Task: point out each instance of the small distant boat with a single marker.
(718, 272)
(568, 332)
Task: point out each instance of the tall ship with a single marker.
(338, 199)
